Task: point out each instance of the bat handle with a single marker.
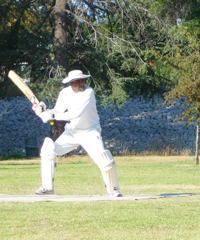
(34, 106)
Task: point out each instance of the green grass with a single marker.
(165, 218)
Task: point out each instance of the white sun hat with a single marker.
(74, 75)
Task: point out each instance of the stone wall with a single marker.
(146, 125)
(141, 125)
(19, 122)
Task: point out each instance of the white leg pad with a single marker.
(111, 180)
(109, 172)
(48, 163)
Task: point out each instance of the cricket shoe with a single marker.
(44, 191)
(115, 193)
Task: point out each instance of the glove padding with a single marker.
(38, 109)
(46, 116)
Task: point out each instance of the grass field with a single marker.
(165, 218)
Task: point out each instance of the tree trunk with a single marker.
(197, 145)
(60, 44)
(60, 34)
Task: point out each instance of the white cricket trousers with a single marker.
(89, 139)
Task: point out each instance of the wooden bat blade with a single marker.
(19, 82)
(22, 86)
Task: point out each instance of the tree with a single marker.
(116, 41)
(186, 59)
(25, 29)
(124, 38)
(60, 34)
(181, 56)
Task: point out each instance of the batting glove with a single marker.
(46, 116)
(38, 109)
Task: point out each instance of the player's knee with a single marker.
(106, 161)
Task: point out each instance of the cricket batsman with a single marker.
(77, 104)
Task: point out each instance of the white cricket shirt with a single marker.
(82, 112)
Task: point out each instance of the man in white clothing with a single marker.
(77, 104)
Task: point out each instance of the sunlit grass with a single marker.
(166, 218)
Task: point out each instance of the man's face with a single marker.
(78, 85)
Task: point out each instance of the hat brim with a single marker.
(69, 79)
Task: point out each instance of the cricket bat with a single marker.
(19, 82)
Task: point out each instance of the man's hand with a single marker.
(38, 109)
(46, 116)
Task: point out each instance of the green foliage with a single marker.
(121, 44)
(111, 45)
(25, 32)
(186, 59)
(172, 10)
(50, 87)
